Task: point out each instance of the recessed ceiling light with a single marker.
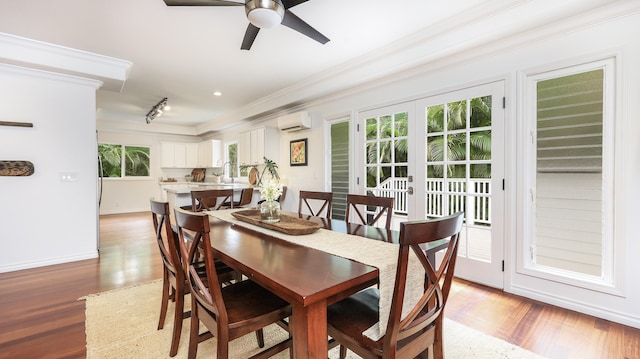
(217, 93)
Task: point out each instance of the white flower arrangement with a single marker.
(270, 189)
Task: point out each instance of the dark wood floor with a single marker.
(40, 316)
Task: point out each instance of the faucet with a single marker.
(224, 167)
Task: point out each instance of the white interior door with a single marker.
(459, 145)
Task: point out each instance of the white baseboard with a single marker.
(581, 307)
(124, 210)
(51, 261)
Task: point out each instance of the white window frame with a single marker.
(228, 159)
(611, 281)
(123, 175)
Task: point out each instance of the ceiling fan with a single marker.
(262, 14)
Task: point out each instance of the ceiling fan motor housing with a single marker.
(265, 13)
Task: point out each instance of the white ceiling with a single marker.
(187, 53)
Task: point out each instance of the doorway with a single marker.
(440, 155)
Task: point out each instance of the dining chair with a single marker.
(229, 311)
(321, 199)
(173, 280)
(210, 199)
(376, 207)
(246, 195)
(174, 285)
(419, 333)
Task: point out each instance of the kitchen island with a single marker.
(180, 194)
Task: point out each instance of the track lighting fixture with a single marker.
(157, 110)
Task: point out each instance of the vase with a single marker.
(270, 211)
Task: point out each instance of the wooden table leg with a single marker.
(309, 330)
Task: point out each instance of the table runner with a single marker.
(379, 254)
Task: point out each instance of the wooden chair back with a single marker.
(245, 197)
(210, 199)
(425, 319)
(322, 199)
(417, 334)
(174, 285)
(166, 239)
(378, 206)
(245, 306)
(195, 243)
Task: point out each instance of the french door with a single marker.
(440, 155)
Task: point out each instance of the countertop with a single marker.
(187, 187)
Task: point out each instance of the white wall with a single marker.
(133, 195)
(44, 220)
(311, 177)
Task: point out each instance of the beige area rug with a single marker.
(122, 324)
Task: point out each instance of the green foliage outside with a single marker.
(233, 158)
(111, 156)
(387, 142)
(136, 160)
(392, 147)
(455, 143)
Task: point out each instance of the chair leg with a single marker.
(343, 352)
(177, 321)
(223, 345)
(437, 347)
(260, 338)
(194, 331)
(165, 299)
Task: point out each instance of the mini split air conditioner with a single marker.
(294, 122)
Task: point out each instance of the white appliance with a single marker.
(295, 121)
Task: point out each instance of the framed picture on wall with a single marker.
(298, 152)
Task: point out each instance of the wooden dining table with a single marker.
(309, 279)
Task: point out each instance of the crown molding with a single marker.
(23, 52)
(495, 25)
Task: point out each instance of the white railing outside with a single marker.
(442, 201)
(396, 188)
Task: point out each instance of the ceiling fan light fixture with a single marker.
(265, 14)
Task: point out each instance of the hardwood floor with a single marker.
(42, 318)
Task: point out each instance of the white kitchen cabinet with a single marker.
(244, 148)
(167, 153)
(178, 155)
(256, 144)
(210, 154)
(191, 155)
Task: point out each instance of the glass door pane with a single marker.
(463, 159)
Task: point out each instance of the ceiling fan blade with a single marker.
(291, 3)
(202, 3)
(249, 36)
(292, 21)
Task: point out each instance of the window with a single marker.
(339, 168)
(136, 160)
(571, 184)
(232, 157)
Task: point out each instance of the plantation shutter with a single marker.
(569, 190)
(339, 168)
(569, 123)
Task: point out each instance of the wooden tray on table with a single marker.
(290, 225)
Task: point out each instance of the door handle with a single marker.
(410, 190)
